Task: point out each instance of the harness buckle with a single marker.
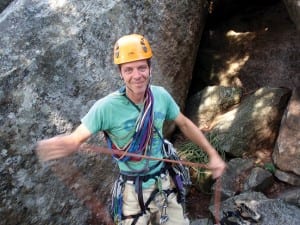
(130, 182)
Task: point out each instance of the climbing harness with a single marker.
(117, 196)
(119, 199)
(179, 174)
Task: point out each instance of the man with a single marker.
(132, 120)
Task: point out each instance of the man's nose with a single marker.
(137, 73)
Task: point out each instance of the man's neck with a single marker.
(137, 99)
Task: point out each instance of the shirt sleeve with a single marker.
(94, 119)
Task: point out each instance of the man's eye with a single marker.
(142, 68)
(128, 71)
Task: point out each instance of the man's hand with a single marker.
(63, 145)
(55, 148)
(189, 129)
(217, 166)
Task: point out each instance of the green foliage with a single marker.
(270, 167)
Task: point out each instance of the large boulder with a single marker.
(56, 61)
(204, 106)
(286, 153)
(56, 57)
(254, 124)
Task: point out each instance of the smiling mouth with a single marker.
(139, 84)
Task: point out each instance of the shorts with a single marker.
(174, 210)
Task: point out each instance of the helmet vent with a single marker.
(117, 52)
(143, 45)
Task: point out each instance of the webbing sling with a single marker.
(142, 136)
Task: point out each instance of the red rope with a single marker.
(217, 200)
(107, 151)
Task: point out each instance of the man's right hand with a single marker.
(55, 148)
(63, 145)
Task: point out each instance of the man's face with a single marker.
(136, 76)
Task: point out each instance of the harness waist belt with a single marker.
(144, 178)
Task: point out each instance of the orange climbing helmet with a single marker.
(131, 48)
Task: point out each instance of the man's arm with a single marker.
(62, 145)
(192, 132)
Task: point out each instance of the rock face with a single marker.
(286, 154)
(56, 57)
(56, 61)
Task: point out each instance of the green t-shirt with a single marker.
(117, 116)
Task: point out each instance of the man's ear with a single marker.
(121, 76)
